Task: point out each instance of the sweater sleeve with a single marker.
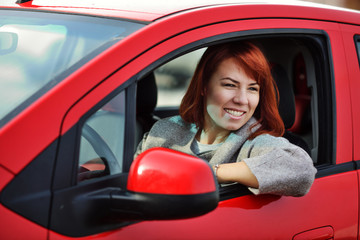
(280, 167)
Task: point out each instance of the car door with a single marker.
(239, 215)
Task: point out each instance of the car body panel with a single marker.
(19, 227)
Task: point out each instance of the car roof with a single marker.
(148, 11)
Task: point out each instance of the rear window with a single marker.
(39, 50)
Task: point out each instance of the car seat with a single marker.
(146, 99)
(287, 105)
(302, 92)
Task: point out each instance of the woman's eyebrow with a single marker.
(229, 78)
(236, 81)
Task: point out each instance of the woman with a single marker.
(229, 117)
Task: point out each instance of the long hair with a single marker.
(253, 62)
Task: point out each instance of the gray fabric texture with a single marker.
(280, 167)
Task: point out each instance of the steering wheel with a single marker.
(102, 149)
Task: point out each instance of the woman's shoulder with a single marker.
(174, 123)
(173, 120)
(169, 131)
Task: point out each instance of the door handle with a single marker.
(321, 233)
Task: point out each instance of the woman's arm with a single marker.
(236, 172)
(280, 167)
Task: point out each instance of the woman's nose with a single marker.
(240, 98)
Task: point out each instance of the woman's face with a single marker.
(231, 98)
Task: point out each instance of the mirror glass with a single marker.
(8, 42)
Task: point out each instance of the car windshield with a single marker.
(40, 49)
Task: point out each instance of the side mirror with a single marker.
(8, 42)
(165, 184)
(161, 184)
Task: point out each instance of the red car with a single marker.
(82, 81)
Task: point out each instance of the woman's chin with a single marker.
(233, 128)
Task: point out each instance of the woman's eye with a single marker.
(254, 89)
(229, 85)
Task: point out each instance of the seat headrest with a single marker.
(287, 97)
(146, 96)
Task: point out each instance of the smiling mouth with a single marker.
(234, 113)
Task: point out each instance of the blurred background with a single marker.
(353, 4)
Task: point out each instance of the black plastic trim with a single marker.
(357, 164)
(233, 191)
(329, 170)
(130, 123)
(162, 206)
(29, 193)
(84, 209)
(326, 96)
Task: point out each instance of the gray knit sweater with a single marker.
(280, 167)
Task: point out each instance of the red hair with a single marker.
(253, 62)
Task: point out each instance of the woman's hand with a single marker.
(236, 172)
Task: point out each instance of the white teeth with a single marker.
(234, 113)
